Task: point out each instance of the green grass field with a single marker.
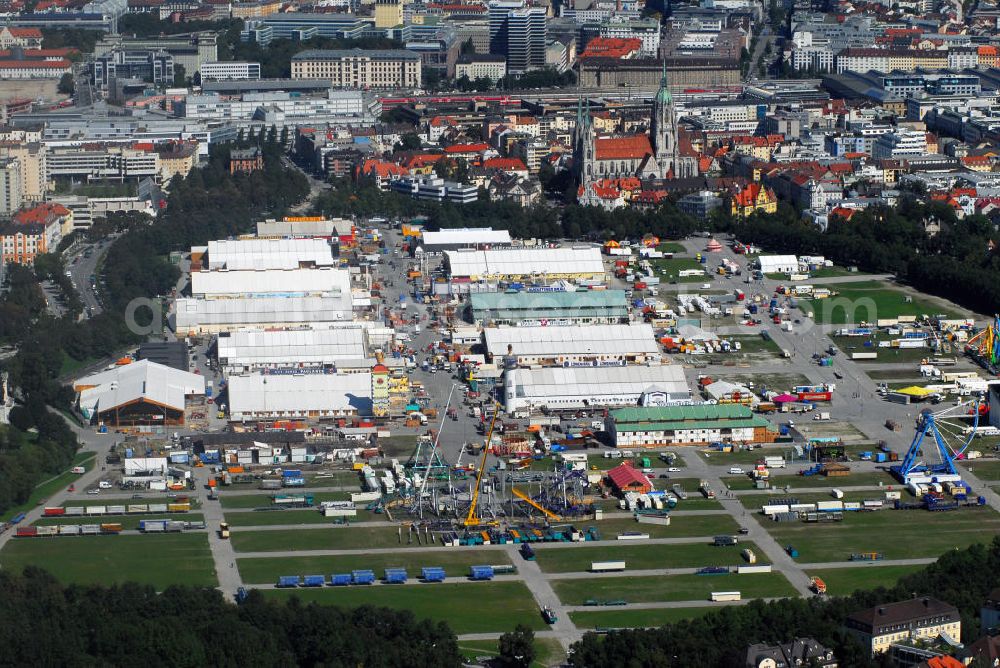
(638, 557)
(672, 587)
(855, 344)
(772, 381)
(755, 501)
(844, 581)
(334, 479)
(750, 457)
(55, 484)
(298, 516)
(982, 469)
(868, 301)
(680, 527)
(668, 269)
(754, 343)
(631, 619)
(832, 272)
(481, 607)
(159, 560)
(798, 481)
(897, 534)
(548, 651)
(265, 500)
(127, 521)
(334, 538)
(674, 247)
(456, 564)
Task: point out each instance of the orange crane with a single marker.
(471, 520)
(537, 506)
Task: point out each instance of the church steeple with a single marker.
(662, 127)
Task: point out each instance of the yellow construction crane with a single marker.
(471, 520)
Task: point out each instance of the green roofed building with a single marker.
(533, 309)
(655, 426)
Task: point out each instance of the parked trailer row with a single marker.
(367, 577)
(130, 509)
(107, 529)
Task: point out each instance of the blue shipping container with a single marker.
(481, 572)
(433, 574)
(291, 473)
(313, 581)
(340, 579)
(363, 577)
(395, 575)
(288, 581)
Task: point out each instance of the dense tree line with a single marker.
(540, 221)
(960, 262)
(961, 577)
(45, 623)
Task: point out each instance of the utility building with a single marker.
(656, 426)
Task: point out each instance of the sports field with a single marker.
(479, 607)
(158, 560)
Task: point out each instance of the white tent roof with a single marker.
(261, 311)
(585, 381)
(572, 340)
(299, 394)
(235, 254)
(775, 261)
(146, 380)
(277, 282)
(525, 261)
(466, 237)
(311, 346)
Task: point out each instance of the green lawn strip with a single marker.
(754, 343)
(624, 619)
(641, 557)
(856, 344)
(335, 479)
(747, 458)
(679, 527)
(548, 651)
(49, 487)
(845, 581)
(334, 538)
(479, 607)
(832, 272)
(885, 302)
(267, 500)
(127, 521)
(105, 501)
(277, 517)
(744, 482)
(982, 469)
(159, 560)
(674, 247)
(266, 570)
(671, 587)
(897, 534)
(755, 501)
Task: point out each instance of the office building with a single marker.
(917, 619)
(156, 67)
(358, 68)
(11, 189)
(481, 66)
(229, 71)
(526, 39)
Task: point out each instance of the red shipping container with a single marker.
(27, 532)
(53, 512)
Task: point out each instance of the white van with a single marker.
(736, 470)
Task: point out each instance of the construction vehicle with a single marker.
(224, 530)
(549, 616)
(471, 519)
(818, 586)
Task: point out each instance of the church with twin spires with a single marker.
(652, 156)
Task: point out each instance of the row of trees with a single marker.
(46, 623)
(960, 262)
(540, 221)
(963, 578)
